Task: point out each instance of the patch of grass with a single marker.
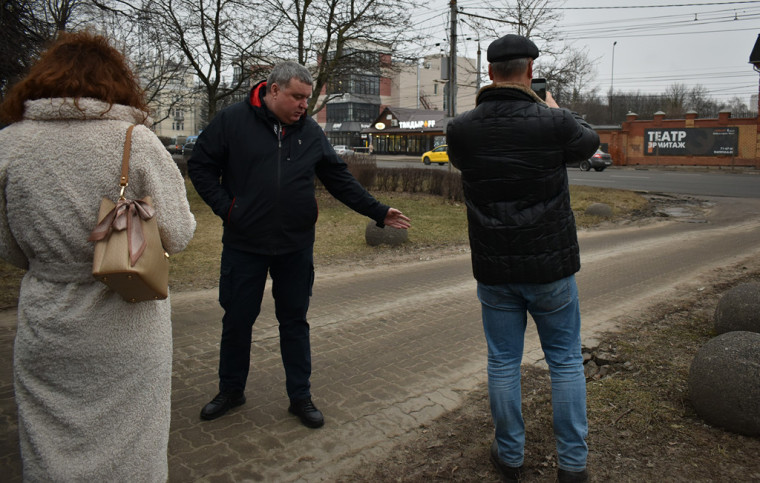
(197, 266)
(10, 281)
(622, 202)
(340, 231)
(436, 223)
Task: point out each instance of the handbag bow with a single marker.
(126, 215)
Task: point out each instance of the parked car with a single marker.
(438, 155)
(598, 162)
(343, 150)
(187, 150)
(174, 148)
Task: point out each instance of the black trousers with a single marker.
(241, 289)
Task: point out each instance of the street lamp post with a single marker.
(477, 79)
(612, 81)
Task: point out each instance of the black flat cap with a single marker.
(511, 47)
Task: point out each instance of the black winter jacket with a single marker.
(512, 150)
(258, 176)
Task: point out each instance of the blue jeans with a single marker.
(554, 307)
(241, 289)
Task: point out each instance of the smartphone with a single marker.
(539, 87)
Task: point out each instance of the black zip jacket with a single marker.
(258, 176)
(512, 151)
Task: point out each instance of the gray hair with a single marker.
(283, 72)
(510, 68)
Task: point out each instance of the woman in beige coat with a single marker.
(92, 372)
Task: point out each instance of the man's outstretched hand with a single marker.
(395, 219)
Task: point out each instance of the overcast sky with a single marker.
(690, 42)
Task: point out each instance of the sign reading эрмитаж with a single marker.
(694, 141)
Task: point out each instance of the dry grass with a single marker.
(197, 266)
(436, 223)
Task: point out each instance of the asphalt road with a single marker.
(738, 182)
(684, 181)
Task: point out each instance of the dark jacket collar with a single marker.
(507, 91)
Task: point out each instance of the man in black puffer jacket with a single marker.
(512, 150)
(254, 165)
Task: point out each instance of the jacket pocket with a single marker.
(247, 215)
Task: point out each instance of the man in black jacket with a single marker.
(512, 150)
(255, 165)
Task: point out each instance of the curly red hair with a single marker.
(76, 65)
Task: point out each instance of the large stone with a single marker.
(724, 382)
(599, 209)
(739, 309)
(388, 235)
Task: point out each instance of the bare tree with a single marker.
(64, 15)
(535, 19)
(698, 99)
(27, 25)
(568, 70)
(674, 100)
(738, 108)
(220, 40)
(156, 63)
(217, 41)
(568, 76)
(24, 35)
(339, 39)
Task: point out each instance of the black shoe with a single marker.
(222, 403)
(507, 473)
(565, 476)
(308, 413)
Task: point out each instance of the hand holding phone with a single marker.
(538, 85)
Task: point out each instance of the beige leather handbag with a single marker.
(129, 256)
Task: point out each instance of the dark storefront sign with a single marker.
(723, 141)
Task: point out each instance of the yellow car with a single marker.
(437, 155)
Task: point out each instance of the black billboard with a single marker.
(691, 141)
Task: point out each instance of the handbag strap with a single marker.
(124, 180)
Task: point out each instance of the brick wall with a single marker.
(628, 144)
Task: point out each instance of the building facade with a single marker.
(177, 110)
(354, 98)
(357, 101)
(424, 84)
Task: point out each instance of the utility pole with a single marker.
(612, 82)
(477, 81)
(452, 110)
(477, 67)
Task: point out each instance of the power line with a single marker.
(663, 34)
(660, 25)
(673, 5)
(647, 19)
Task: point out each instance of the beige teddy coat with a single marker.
(92, 373)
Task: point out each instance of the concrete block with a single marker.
(599, 209)
(389, 236)
(739, 309)
(724, 382)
